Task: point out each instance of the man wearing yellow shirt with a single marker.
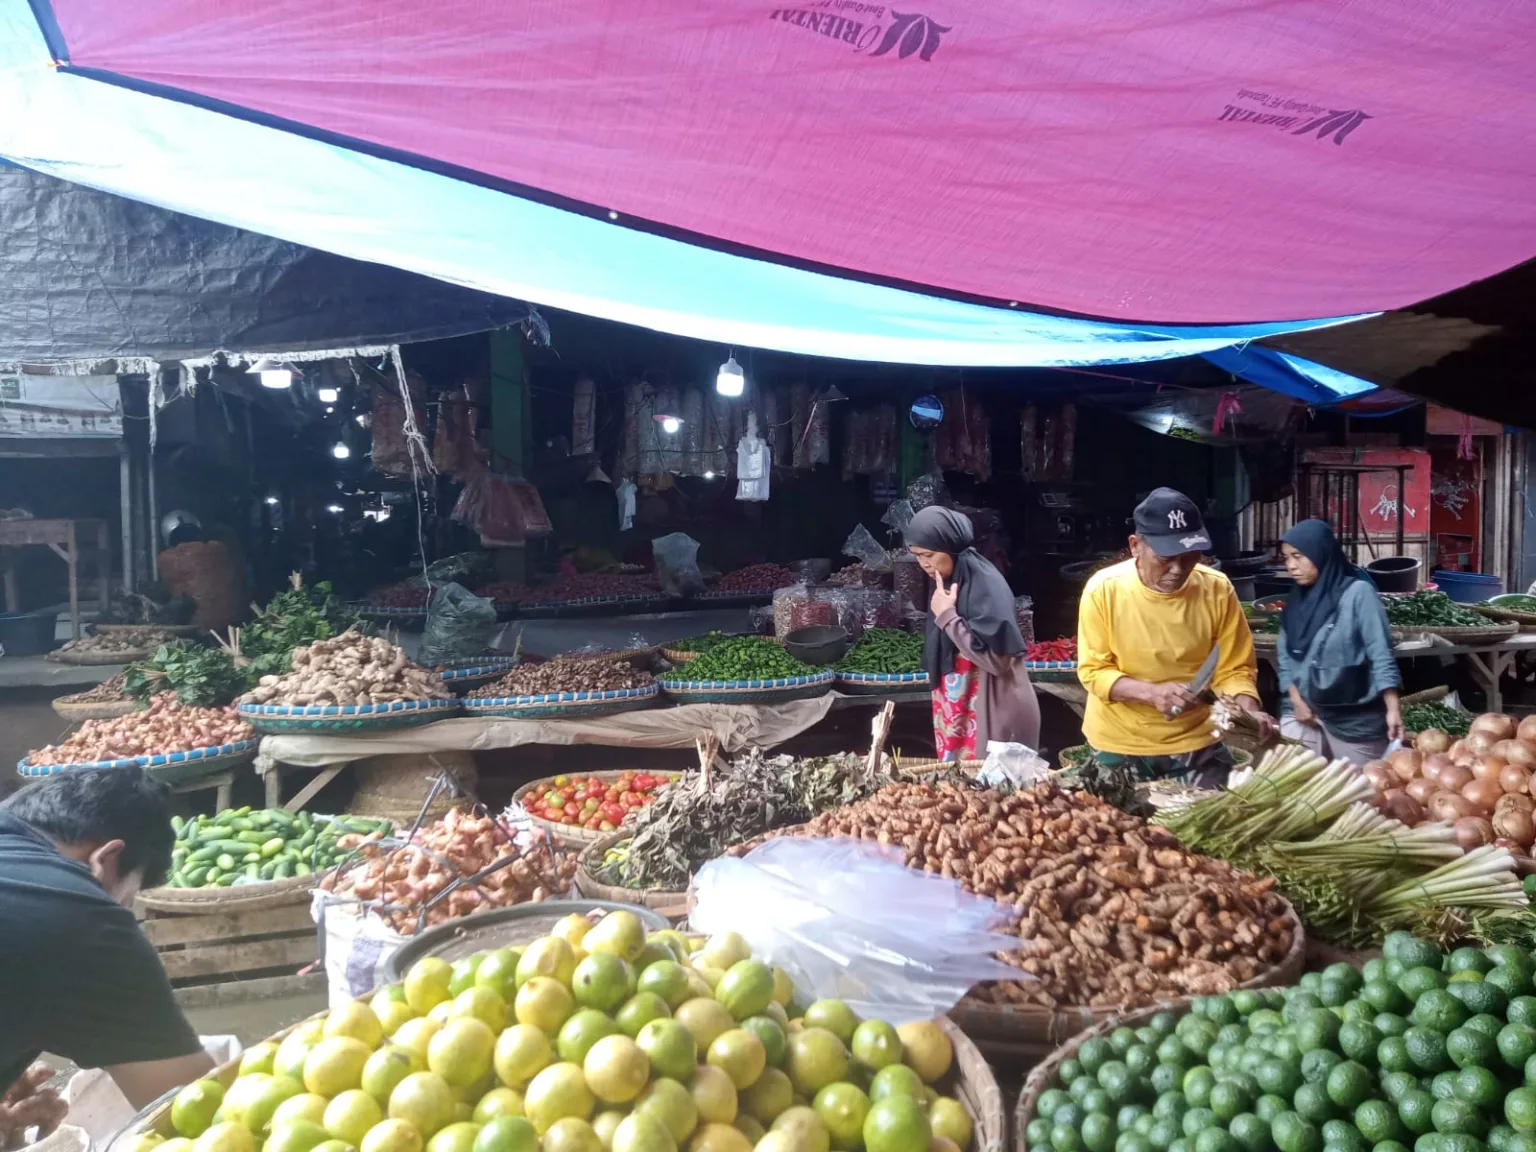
(1144, 627)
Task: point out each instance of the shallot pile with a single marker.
(1112, 912)
(165, 726)
(567, 675)
(406, 594)
(755, 578)
(1480, 784)
(436, 876)
(348, 669)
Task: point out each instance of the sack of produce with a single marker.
(840, 914)
(677, 564)
(210, 574)
(459, 623)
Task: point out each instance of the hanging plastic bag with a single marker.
(677, 564)
(467, 568)
(459, 624)
(754, 464)
(863, 547)
(847, 920)
(626, 497)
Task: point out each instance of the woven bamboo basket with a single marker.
(592, 857)
(565, 834)
(99, 659)
(1029, 1032)
(775, 691)
(182, 631)
(976, 1088)
(1492, 634)
(925, 766)
(395, 787)
(236, 898)
(76, 711)
(1047, 1073)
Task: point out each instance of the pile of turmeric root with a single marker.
(1110, 912)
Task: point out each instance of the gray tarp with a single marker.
(88, 276)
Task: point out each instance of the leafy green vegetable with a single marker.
(291, 620)
(1418, 717)
(200, 677)
(1428, 608)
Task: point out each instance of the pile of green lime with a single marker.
(1419, 1050)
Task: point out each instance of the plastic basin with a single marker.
(1468, 587)
(27, 633)
(1395, 573)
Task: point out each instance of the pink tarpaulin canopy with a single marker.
(1176, 161)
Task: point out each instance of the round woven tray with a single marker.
(555, 705)
(749, 691)
(564, 833)
(594, 605)
(1489, 635)
(170, 767)
(278, 718)
(99, 659)
(93, 709)
(592, 857)
(386, 611)
(1264, 641)
(1029, 1031)
(235, 898)
(735, 596)
(183, 630)
(922, 767)
(478, 672)
(1075, 756)
(1506, 615)
(881, 683)
(1052, 671)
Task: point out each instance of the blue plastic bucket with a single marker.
(1468, 587)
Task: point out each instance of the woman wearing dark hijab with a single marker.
(1337, 670)
(973, 651)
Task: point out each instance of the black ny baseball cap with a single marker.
(1171, 524)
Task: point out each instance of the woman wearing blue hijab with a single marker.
(1337, 672)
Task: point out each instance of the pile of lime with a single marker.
(1418, 1050)
(595, 1038)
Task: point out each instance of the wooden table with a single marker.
(1487, 662)
(63, 538)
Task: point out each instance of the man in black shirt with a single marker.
(79, 978)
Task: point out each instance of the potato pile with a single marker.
(1111, 912)
(165, 726)
(402, 885)
(348, 669)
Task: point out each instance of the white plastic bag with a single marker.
(848, 921)
(1011, 766)
(754, 464)
(357, 947)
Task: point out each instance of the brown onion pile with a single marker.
(1481, 785)
(165, 726)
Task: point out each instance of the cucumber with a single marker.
(178, 823)
(251, 858)
(212, 875)
(241, 824)
(239, 846)
(203, 856)
(196, 876)
(301, 869)
(225, 862)
(226, 880)
(253, 871)
(282, 871)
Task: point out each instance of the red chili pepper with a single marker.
(1057, 651)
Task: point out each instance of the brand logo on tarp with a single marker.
(1295, 117)
(872, 29)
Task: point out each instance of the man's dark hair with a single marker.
(95, 805)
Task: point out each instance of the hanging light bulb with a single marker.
(669, 424)
(273, 500)
(731, 381)
(271, 373)
(328, 395)
(334, 509)
(340, 450)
